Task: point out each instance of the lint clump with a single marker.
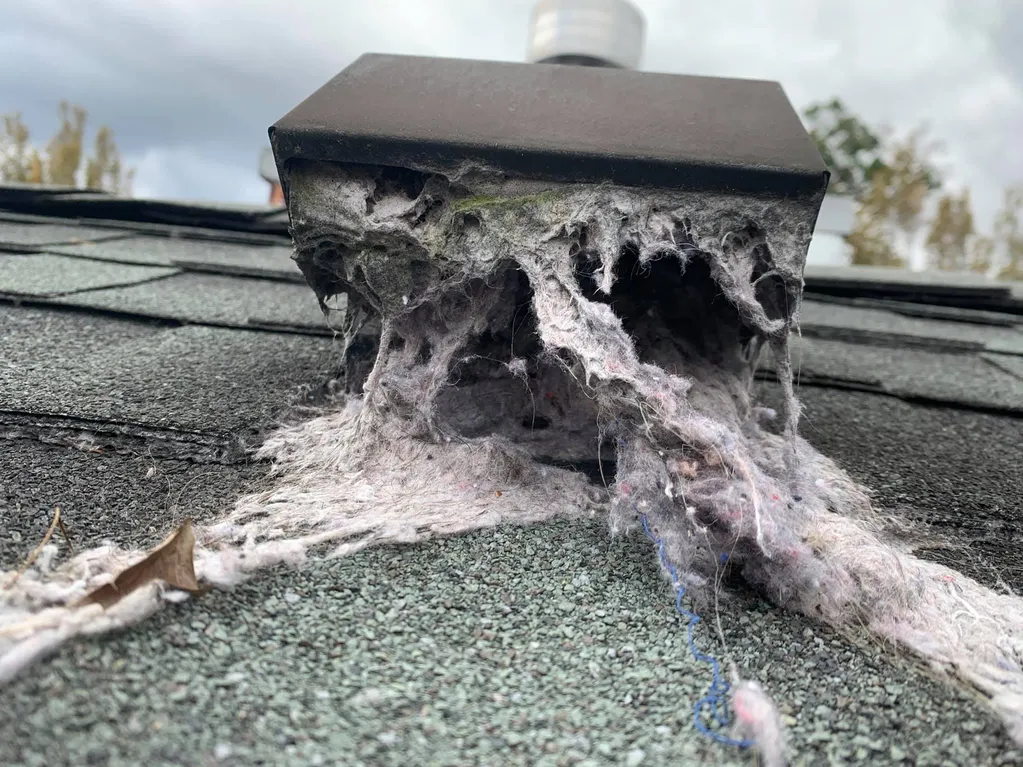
(631, 322)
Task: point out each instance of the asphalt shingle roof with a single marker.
(162, 340)
(140, 359)
(43, 275)
(21, 236)
(219, 257)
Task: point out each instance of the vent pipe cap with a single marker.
(608, 33)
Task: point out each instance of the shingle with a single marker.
(954, 470)
(130, 498)
(961, 289)
(213, 299)
(1010, 363)
(68, 203)
(107, 373)
(7, 216)
(40, 339)
(200, 379)
(862, 323)
(46, 275)
(924, 311)
(878, 277)
(193, 254)
(247, 261)
(963, 379)
(133, 228)
(21, 237)
(129, 250)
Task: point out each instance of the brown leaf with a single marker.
(171, 561)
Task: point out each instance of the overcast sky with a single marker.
(190, 86)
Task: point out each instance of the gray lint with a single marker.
(522, 351)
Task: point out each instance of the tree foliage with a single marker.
(949, 240)
(103, 169)
(1009, 234)
(19, 162)
(953, 243)
(852, 151)
(63, 162)
(890, 209)
(893, 181)
(890, 179)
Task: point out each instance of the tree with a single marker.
(103, 169)
(889, 213)
(980, 254)
(870, 238)
(64, 150)
(911, 178)
(62, 162)
(852, 151)
(949, 240)
(890, 179)
(19, 162)
(1009, 234)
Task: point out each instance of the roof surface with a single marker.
(140, 358)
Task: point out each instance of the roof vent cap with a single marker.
(603, 33)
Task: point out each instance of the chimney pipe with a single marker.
(600, 33)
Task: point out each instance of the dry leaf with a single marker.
(172, 561)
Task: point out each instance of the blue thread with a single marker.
(716, 698)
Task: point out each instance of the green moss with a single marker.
(500, 209)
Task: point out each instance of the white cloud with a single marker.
(202, 79)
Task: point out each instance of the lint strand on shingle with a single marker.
(715, 702)
(756, 720)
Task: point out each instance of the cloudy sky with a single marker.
(190, 86)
